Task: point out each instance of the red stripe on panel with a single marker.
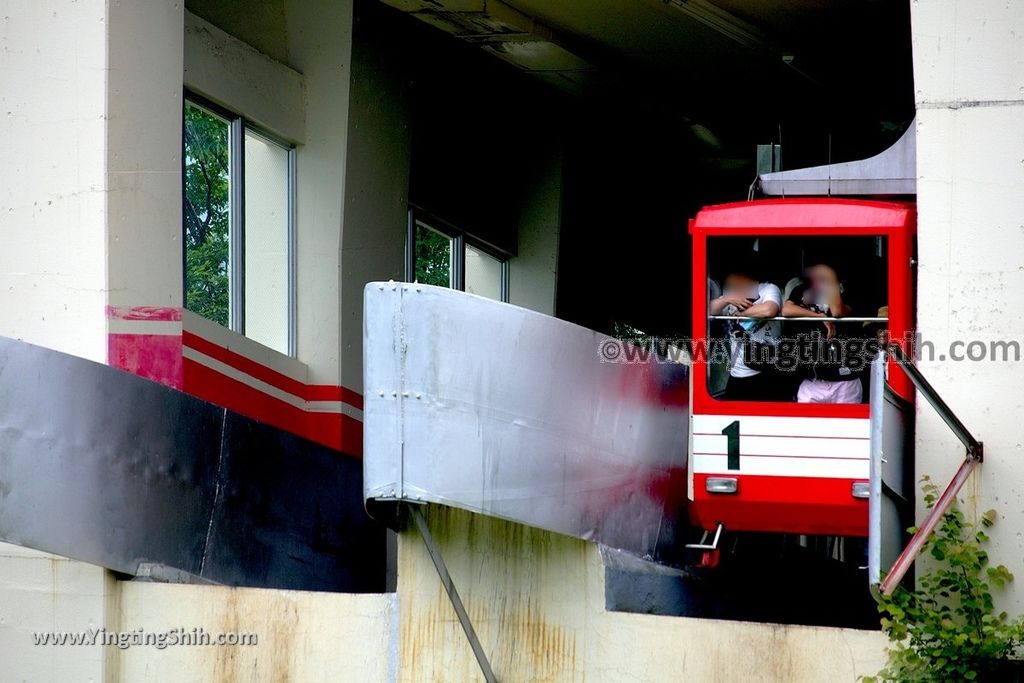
(159, 357)
(155, 313)
(790, 436)
(244, 364)
(333, 430)
(307, 392)
(153, 356)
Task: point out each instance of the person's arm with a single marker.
(794, 310)
(791, 309)
(718, 304)
(836, 306)
(771, 303)
(765, 309)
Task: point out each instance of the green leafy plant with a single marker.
(207, 214)
(947, 628)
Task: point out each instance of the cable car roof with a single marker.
(805, 213)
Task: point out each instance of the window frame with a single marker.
(238, 127)
(460, 240)
(881, 248)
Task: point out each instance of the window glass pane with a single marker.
(483, 274)
(794, 318)
(207, 194)
(266, 242)
(433, 257)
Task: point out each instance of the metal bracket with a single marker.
(975, 449)
(704, 545)
(449, 586)
(974, 457)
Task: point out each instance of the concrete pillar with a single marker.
(143, 153)
(320, 47)
(42, 593)
(969, 80)
(53, 204)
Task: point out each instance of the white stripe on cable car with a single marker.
(782, 467)
(768, 425)
(802, 447)
(783, 446)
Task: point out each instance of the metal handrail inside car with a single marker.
(813, 319)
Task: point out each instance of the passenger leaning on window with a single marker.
(832, 361)
(744, 294)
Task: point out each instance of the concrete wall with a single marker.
(969, 72)
(344, 96)
(320, 47)
(53, 279)
(143, 148)
(235, 75)
(40, 592)
(533, 272)
(305, 101)
(391, 58)
(377, 171)
(300, 636)
(537, 602)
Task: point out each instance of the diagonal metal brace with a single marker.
(975, 455)
(975, 449)
(446, 580)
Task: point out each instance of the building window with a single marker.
(433, 265)
(440, 255)
(239, 236)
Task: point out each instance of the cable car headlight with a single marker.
(721, 485)
(861, 489)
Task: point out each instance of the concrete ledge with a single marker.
(300, 635)
(537, 601)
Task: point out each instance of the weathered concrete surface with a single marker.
(44, 592)
(301, 636)
(537, 602)
(969, 80)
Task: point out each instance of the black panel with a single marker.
(105, 467)
(267, 520)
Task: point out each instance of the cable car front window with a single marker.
(794, 318)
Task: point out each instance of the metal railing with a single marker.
(811, 319)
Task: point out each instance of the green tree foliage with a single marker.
(947, 629)
(433, 257)
(207, 197)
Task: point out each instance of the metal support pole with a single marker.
(975, 454)
(975, 450)
(931, 520)
(446, 580)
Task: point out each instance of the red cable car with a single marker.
(784, 466)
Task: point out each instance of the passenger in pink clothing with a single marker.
(833, 376)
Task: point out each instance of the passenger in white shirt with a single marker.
(744, 294)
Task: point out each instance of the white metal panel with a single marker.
(788, 446)
(890, 504)
(893, 171)
(500, 410)
(783, 446)
(783, 467)
(770, 425)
